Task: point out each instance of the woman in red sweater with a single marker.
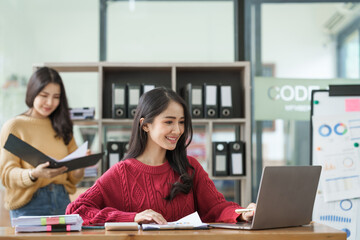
(156, 181)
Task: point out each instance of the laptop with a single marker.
(286, 198)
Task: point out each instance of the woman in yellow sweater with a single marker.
(47, 126)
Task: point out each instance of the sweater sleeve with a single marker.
(100, 203)
(13, 174)
(211, 204)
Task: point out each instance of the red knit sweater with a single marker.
(130, 187)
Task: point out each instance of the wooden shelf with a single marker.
(174, 76)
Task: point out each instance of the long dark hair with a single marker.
(151, 104)
(60, 118)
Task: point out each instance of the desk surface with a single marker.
(313, 231)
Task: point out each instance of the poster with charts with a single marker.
(340, 214)
(336, 148)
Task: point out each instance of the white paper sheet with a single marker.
(190, 221)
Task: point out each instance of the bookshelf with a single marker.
(174, 76)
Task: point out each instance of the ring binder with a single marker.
(220, 162)
(118, 101)
(114, 153)
(125, 148)
(146, 87)
(225, 106)
(210, 101)
(133, 99)
(236, 158)
(193, 96)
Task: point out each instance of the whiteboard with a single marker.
(333, 140)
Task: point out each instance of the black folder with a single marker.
(220, 159)
(225, 97)
(133, 93)
(146, 87)
(193, 96)
(33, 156)
(114, 153)
(236, 151)
(210, 100)
(118, 101)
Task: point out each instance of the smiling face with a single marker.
(167, 127)
(46, 101)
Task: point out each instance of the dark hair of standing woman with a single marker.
(60, 118)
(151, 104)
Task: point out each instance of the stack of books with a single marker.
(53, 223)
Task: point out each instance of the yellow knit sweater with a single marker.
(14, 171)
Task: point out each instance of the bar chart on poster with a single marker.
(335, 144)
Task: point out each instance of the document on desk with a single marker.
(70, 219)
(191, 221)
(33, 156)
(51, 223)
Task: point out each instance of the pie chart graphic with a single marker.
(325, 130)
(348, 162)
(346, 204)
(340, 129)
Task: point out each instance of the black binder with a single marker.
(146, 87)
(118, 101)
(125, 148)
(193, 96)
(225, 103)
(220, 159)
(236, 156)
(34, 157)
(133, 93)
(210, 101)
(114, 153)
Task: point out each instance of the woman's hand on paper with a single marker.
(42, 171)
(248, 216)
(149, 216)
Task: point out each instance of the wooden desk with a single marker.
(308, 232)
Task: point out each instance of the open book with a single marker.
(28, 153)
(191, 221)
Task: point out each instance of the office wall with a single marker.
(175, 31)
(35, 31)
(294, 38)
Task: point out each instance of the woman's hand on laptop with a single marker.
(248, 216)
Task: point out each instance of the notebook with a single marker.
(48, 220)
(285, 198)
(53, 223)
(48, 228)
